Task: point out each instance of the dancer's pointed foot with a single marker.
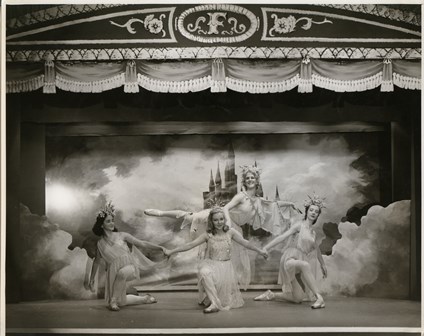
(206, 302)
(267, 296)
(113, 305)
(153, 212)
(149, 298)
(319, 303)
(211, 309)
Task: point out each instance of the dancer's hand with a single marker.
(264, 253)
(167, 252)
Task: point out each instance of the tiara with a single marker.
(108, 209)
(250, 168)
(315, 200)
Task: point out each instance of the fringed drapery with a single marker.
(175, 77)
(93, 77)
(253, 76)
(24, 78)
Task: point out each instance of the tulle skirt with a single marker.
(218, 279)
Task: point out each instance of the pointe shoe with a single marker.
(267, 296)
(318, 304)
(211, 309)
(153, 212)
(113, 306)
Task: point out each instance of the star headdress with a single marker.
(315, 200)
(108, 209)
(250, 168)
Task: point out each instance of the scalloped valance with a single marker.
(218, 75)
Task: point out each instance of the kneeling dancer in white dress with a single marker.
(216, 272)
(295, 271)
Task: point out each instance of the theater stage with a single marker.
(176, 310)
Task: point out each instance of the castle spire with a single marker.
(218, 181)
(277, 195)
(211, 183)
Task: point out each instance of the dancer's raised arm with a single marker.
(236, 200)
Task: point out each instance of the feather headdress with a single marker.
(315, 200)
(108, 209)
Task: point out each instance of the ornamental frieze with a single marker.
(217, 23)
(153, 31)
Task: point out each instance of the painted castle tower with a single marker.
(221, 191)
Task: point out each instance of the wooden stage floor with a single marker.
(179, 310)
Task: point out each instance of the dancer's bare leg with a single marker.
(124, 274)
(143, 299)
(295, 297)
(165, 213)
(305, 269)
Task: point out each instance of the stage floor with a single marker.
(179, 310)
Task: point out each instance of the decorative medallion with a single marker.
(217, 23)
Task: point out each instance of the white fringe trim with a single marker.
(218, 86)
(337, 85)
(387, 86)
(404, 82)
(94, 87)
(49, 88)
(192, 85)
(27, 85)
(240, 85)
(305, 86)
(131, 87)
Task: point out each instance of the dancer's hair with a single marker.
(253, 170)
(211, 227)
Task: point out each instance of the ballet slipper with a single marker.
(148, 298)
(206, 302)
(151, 299)
(113, 305)
(319, 303)
(267, 296)
(211, 309)
(153, 212)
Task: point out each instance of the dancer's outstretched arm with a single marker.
(139, 243)
(188, 246)
(283, 237)
(236, 200)
(247, 244)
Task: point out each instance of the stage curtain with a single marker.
(90, 77)
(218, 75)
(262, 76)
(24, 77)
(175, 76)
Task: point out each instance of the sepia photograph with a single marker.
(190, 168)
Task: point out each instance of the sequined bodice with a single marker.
(219, 247)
